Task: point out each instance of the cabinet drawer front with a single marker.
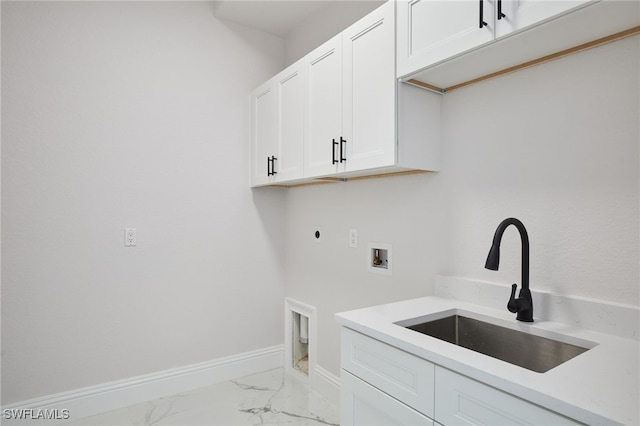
(403, 376)
(463, 401)
(362, 404)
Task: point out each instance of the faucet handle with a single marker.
(511, 305)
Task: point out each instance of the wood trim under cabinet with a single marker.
(326, 180)
(390, 174)
(598, 42)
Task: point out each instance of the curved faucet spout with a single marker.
(523, 305)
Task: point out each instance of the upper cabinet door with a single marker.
(369, 90)
(289, 93)
(264, 133)
(430, 31)
(323, 109)
(515, 15)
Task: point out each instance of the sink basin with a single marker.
(533, 352)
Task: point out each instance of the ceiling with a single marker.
(275, 17)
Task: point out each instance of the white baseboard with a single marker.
(97, 399)
(327, 384)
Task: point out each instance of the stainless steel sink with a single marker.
(535, 353)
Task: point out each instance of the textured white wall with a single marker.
(131, 114)
(556, 145)
(325, 24)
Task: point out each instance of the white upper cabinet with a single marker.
(430, 31)
(323, 109)
(515, 15)
(289, 88)
(263, 133)
(350, 98)
(444, 44)
(369, 91)
(277, 128)
(340, 112)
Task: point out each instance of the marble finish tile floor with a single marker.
(268, 398)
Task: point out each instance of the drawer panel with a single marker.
(404, 376)
(363, 405)
(463, 401)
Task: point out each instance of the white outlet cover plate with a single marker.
(130, 237)
(353, 238)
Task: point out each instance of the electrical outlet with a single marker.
(353, 238)
(130, 237)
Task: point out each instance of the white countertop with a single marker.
(599, 386)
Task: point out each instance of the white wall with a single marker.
(131, 114)
(325, 24)
(556, 145)
(136, 115)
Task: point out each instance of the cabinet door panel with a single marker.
(264, 132)
(432, 30)
(323, 112)
(289, 87)
(521, 14)
(369, 91)
(363, 404)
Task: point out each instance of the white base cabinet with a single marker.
(383, 385)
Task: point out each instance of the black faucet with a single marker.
(523, 305)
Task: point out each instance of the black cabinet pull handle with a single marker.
(482, 22)
(500, 14)
(333, 152)
(342, 143)
(271, 166)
